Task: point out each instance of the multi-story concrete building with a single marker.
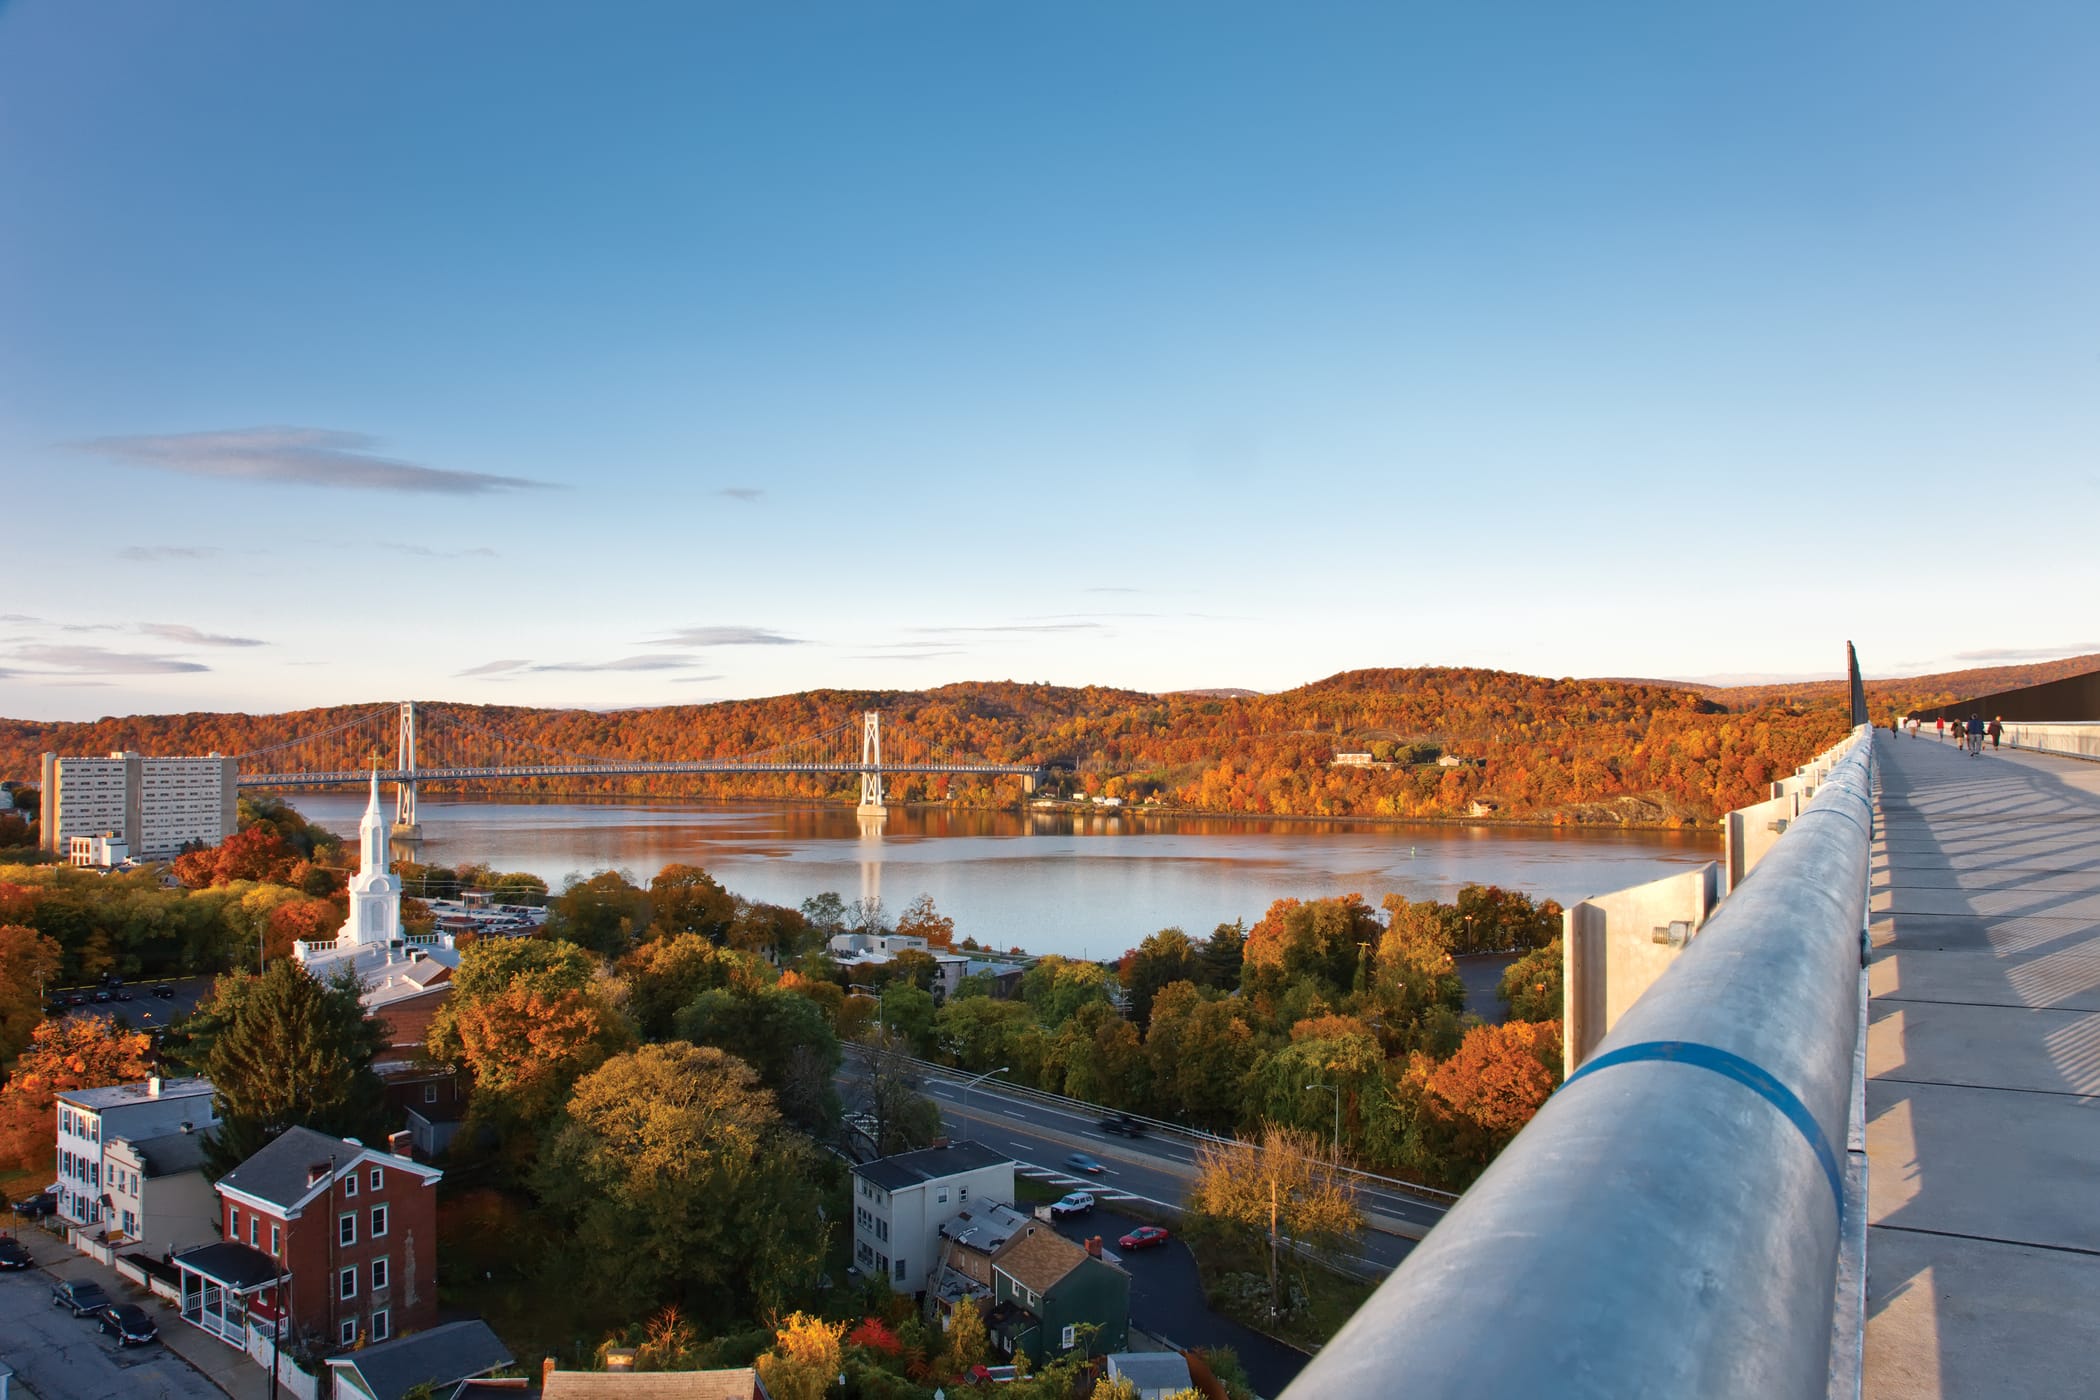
(156, 806)
(89, 1120)
(901, 1202)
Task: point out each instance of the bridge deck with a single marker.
(1983, 1061)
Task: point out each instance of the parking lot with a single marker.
(62, 1357)
(140, 1009)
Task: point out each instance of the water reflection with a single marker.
(1050, 881)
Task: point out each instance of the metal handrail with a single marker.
(1668, 1224)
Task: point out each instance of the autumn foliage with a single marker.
(74, 1052)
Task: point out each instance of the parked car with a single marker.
(14, 1256)
(123, 994)
(164, 990)
(128, 1323)
(1123, 1125)
(82, 1297)
(1145, 1237)
(1070, 1204)
(101, 997)
(1080, 1162)
(77, 999)
(34, 1207)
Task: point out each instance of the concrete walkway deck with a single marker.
(1983, 1063)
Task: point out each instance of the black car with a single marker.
(33, 1207)
(123, 994)
(128, 1323)
(13, 1256)
(164, 990)
(83, 1298)
(1123, 1125)
(77, 999)
(101, 997)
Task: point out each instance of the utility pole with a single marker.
(1335, 1090)
(967, 1085)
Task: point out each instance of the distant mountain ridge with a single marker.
(1536, 749)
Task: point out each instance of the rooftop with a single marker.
(1038, 1257)
(738, 1384)
(126, 1095)
(283, 1172)
(438, 1357)
(986, 1228)
(169, 1154)
(235, 1265)
(1151, 1370)
(908, 1169)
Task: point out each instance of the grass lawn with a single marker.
(1331, 1298)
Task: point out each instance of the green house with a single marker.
(1051, 1296)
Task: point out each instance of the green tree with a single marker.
(783, 1036)
(1056, 987)
(882, 1092)
(665, 974)
(283, 1050)
(492, 967)
(676, 1181)
(605, 913)
(1164, 957)
(1531, 986)
(909, 1011)
(1200, 1051)
(1098, 1058)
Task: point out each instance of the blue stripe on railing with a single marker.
(1752, 1077)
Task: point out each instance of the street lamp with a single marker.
(968, 1084)
(1334, 1089)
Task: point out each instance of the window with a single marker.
(941, 1196)
(430, 1093)
(347, 1333)
(254, 1229)
(346, 1283)
(900, 1268)
(233, 1222)
(346, 1229)
(379, 1332)
(131, 1224)
(1071, 1335)
(379, 1273)
(377, 1180)
(350, 1184)
(962, 1193)
(378, 1221)
(276, 1240)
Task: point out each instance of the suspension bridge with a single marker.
(457, 746)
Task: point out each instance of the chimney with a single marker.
(546, 1372)
(399, 1143)
(1093, 1245)
(620, 1359)
(153, 1086)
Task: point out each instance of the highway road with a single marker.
(1155, 1171)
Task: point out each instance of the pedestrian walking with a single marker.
(1941, 725)
(1975, 734)
(1996, 731)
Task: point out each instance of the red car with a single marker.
(1144, 1237)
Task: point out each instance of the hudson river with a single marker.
(1087, 885)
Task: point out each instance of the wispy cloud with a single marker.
(100, 661)
(725, 637)
(2028, 653)
(509, 669)
(301, 456)
(749, 495)
(424, 551)
(1012, 628)
(176, 632)
(154, 553)
(906, 655)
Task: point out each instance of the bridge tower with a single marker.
(408, 830)
(871, 761)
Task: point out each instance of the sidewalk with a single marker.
(230, 1370)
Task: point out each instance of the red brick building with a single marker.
(344, 1234)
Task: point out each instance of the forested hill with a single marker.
(1905, 693)
(1532, 748)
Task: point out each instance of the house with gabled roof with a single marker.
(1051, 1296)
(441, 1358)
(335, 1240)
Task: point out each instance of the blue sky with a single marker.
(627, 354)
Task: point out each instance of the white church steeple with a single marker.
(375, 895)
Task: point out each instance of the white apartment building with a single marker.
(901, 1202)
(156, 806)
(89, 1120)
(104, 852)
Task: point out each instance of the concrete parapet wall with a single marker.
(1748, 833)
(2067, 740)
(1615, 945)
